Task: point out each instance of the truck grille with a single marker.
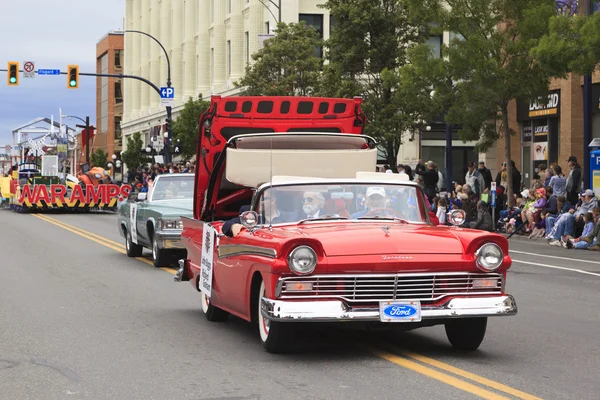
(356, 289)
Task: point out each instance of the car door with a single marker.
(233, 262)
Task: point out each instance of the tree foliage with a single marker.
(185, 126)
(571, 45)
(99, 158)
(369, 41)
(134, 156)
(490, 61)
(287, 65)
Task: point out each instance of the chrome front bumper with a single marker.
(338, 311)
(169, 239)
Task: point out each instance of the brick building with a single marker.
(550, 130)
(109, 94)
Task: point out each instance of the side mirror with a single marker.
(141, 196)
(457, 217)
(249, 219)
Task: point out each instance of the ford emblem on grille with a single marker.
(396, 311)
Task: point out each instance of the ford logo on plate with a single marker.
(403, 311)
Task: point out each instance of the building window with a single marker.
(212, 65)
(247, 46)
(118, 135)
(435, 42)
(212, 11)
(229, 58)
(118, 54)
(229, 6)
(316, 21)
(103, 128)
(267, 27)
(118, 93)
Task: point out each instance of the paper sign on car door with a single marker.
(206, 271)
(133, 222)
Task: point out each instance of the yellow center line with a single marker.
(469, 375)
(50, 219)
(97, 238)
(440, 376)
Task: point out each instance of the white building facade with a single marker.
(209, 43)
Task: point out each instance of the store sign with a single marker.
(543, 106)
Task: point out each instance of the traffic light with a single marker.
(13, 73)
(73, 76)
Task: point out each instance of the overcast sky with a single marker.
(53, 34)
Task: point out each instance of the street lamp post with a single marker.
(87, 134)
(169, 135)
(276, 5)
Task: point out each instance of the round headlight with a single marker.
(302, 260)
(489, 257)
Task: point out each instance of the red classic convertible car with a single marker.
(323, 241)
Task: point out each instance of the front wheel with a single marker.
(132, 249)
(160, 257)
(212, 313)
(276, 337)
(467, 333)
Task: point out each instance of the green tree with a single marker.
(367, 45)
(491, 61)
(185, 126)
(134, 157)
(571, 45)
(99, 158)
(287, 65)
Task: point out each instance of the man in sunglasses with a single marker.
(312, 204)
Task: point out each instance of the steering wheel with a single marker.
(383, 211)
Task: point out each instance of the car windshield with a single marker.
(355, 201)
(173, 187)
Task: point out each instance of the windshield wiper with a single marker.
(323, 218)
(401, 220)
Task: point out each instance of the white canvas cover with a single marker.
(251, 167)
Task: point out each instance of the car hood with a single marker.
(363, 238)
(173, 207)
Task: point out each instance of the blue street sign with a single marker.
(493, 199)
(48, 71)
(167, 93)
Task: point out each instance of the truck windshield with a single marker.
(356, 201)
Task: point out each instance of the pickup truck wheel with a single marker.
(212, 313)
(276, 337)
(132, 249)
(467, 333)
(160, 257)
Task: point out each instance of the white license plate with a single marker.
(400, 311)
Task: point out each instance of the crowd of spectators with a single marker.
(555, 206)
(141, 178)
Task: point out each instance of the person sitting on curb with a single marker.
(591, 231)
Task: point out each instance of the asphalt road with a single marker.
(81, 320)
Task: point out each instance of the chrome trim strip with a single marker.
(232, 250)
(336, 311)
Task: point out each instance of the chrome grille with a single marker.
(425, 287)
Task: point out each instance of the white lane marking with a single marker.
(557, 257)
(555, 267)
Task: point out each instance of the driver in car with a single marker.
(375, 199)
(271, 215)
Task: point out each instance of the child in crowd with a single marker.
(441, 211)
(539, 230)
(587, 231)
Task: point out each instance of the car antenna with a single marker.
(271, 186)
